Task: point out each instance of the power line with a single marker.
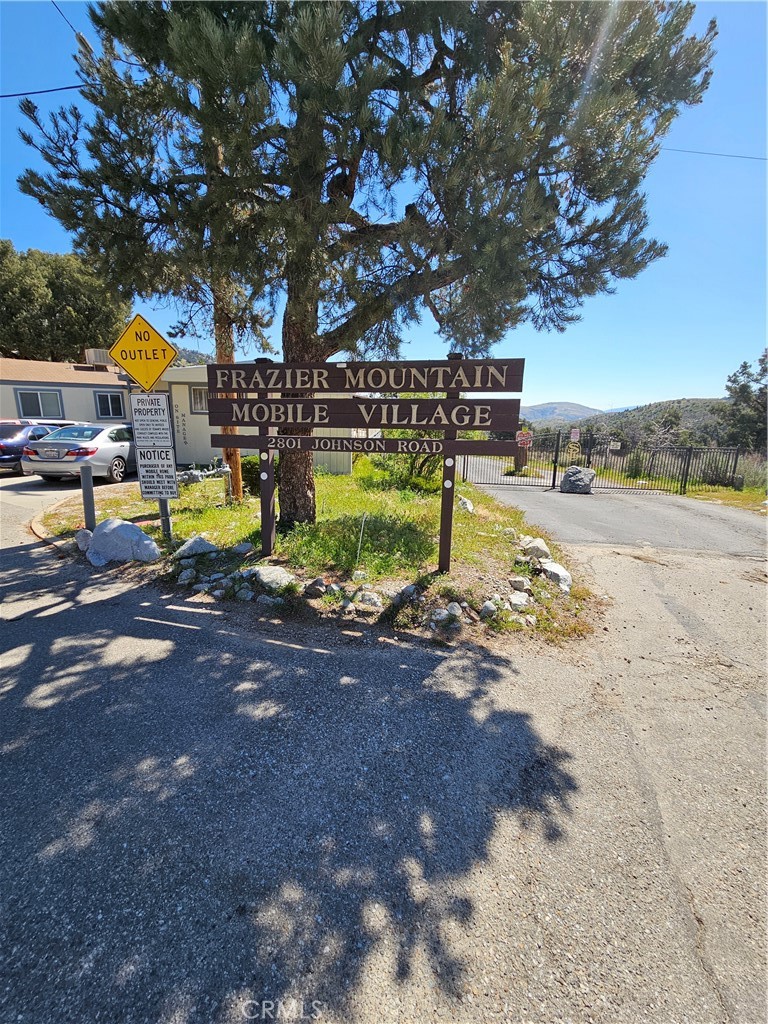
(704, 152)
(36, 92)
(64, 16)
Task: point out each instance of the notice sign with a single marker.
(155, 457)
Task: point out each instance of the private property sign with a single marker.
(153, 438)
(290, 404)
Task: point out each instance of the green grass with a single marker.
(396, 532)
(751, 498)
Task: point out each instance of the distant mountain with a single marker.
(556, 412)
(191, 357)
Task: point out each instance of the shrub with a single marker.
(754, 469)
(635, 464)
(251, 467)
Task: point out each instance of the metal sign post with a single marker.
(155, 457)
(145, 355)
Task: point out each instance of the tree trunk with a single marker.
(296, 490)
(225, 353)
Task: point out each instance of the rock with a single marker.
(244, 595)
(509, 531)
(359, 574)
(534, 547)
(496, 598)
(271, 577)
(558, 574)
(186, 576)
(410, 592)
(243, 548)
(332, 588)
(316, 588)
(506, 607)
(455, 609)
(187, 563)
(577, 480)
(115, 540)
(518, 599)
(488, 610)
(370, 598)
(530, 620)
(268, 604)
(217, 593)
(466, 505)
(216, 576)
(202, 588)
(195, 546)
(521, 583)
(346, 602)
(83, 539)
(440, 615)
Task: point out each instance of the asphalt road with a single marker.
(206, 813)
(21, 498)
(664, 521)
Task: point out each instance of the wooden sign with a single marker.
(364, 445)
(300, 398)
(379, 413)
(468, 375)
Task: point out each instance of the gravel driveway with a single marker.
(208, 815)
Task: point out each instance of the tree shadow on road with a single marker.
(201, 819)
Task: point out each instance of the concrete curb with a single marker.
(35, 525)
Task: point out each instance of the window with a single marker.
(37, 432)
(198, 399)
(109, 405)
(40, 403)
(121, 434)
(75, 433)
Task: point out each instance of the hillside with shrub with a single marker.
(681, 421)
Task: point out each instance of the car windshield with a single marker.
(74, 434)
(9, 430)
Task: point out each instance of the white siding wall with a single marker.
(78, 402)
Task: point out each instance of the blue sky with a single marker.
(676, 331)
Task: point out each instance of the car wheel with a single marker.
(116, 471)
(18, 469)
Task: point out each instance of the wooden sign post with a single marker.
(447, 496)
(265, 396)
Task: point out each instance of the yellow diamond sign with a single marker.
(143, 353)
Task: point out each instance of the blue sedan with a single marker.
(14, 436)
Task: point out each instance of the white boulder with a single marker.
(83, 539)
(115, 540)
(535, 547)
(271, 577)
(558, 574)
(466, 505)
(195, 546)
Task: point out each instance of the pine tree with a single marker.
(743, 416)
(371, 162)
